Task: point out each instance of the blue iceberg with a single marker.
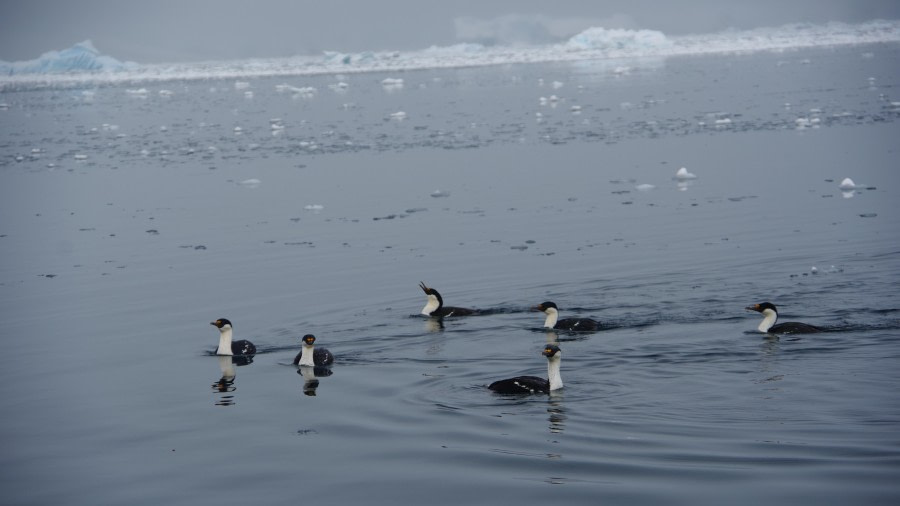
(82, 57)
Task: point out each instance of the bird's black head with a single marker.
(220, 323)
(428, 291)
(543, 306)
(762, 306)
(431, 291)
(551, 350)
(309, 339)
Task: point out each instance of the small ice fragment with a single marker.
(684, 174)
(644, 187)
(576, 108)
(248, 94)
(847, 184)
(440, 193)
(241, 85)
(557, 85)
(314, 207)
(554, 98)
(166, 93)
(250, 183)
(238, 130)
(399, 115)
(814, 270)
(81, 157)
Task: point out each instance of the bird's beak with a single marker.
(423, 287)
(754, 307)
(212, 323)
(536, 308)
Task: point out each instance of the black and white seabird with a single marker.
(310, 355)
(573, 324)
(435, 306)
(226, 345)
(770, 315)
(533, 384)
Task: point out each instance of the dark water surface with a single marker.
(115, 262)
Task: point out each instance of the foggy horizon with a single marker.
(203, 30)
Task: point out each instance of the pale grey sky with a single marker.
(150, 31)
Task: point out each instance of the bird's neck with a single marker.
(552, 316)
(307, 357)
(224, 342)
(769, 318)
(553, 374)
(433, 305)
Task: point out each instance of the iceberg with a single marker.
(82, 57)
(604, 39)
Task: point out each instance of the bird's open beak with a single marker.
(754, 307)
(423, 287)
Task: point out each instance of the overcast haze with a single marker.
(196, 30)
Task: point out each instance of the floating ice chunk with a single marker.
(723, 122)
(847, 184)
(622, 71)
(554, 98)
(399, 115)
(339, 87)
(557, 85)
(542, 100)
(238, 130)
(684, 174)
(576, 109)
(166, 93)
(81, 157)
(392, 83)
(440, 193)
(304, 92)
(248, 94)
(316, 208)
(250, 183)
(814, 270)
(644, 187)
(4, 106)
(241, 85)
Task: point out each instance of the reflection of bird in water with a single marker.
(770, 316)
(552, 337)
(573, 324)
(435, 305)
(226, 345)
(557, 416)
(533, 384)
(310, 376)
(225, 384)
(310, 355)
(434, 324)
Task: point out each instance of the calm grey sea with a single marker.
(131, 216)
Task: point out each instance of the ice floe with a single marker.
(847, 184)
(683, 174)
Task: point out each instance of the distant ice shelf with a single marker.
(83, 65)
